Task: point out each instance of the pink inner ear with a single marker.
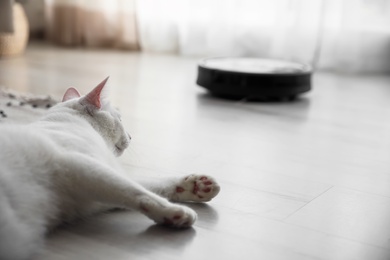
(94, 97)
(70, 94)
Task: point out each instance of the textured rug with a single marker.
(22, 108)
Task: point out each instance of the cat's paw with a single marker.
(169, 214)
(179, 216)
(196, 188)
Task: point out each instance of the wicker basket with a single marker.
(14, 43)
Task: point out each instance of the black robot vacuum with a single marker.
(254, 78)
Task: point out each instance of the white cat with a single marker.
(63, 167)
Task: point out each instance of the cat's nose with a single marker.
(129, 136)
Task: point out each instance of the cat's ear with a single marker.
(70, 93)
(97, 95)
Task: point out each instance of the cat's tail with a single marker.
(17, 241)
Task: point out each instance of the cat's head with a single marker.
(104, 118)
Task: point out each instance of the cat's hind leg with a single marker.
(191, 188)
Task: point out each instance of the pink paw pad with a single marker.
(179, 189)
(206, 182)
(176, 221)
(206, 190)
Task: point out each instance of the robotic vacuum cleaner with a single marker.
(253, 78)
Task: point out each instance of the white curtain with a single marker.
(346, 35)
(92, 23)
(343, 35)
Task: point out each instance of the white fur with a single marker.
(63, 167)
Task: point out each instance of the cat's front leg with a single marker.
(191, 188)
(86, 179)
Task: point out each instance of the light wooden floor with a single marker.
(302, 180)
